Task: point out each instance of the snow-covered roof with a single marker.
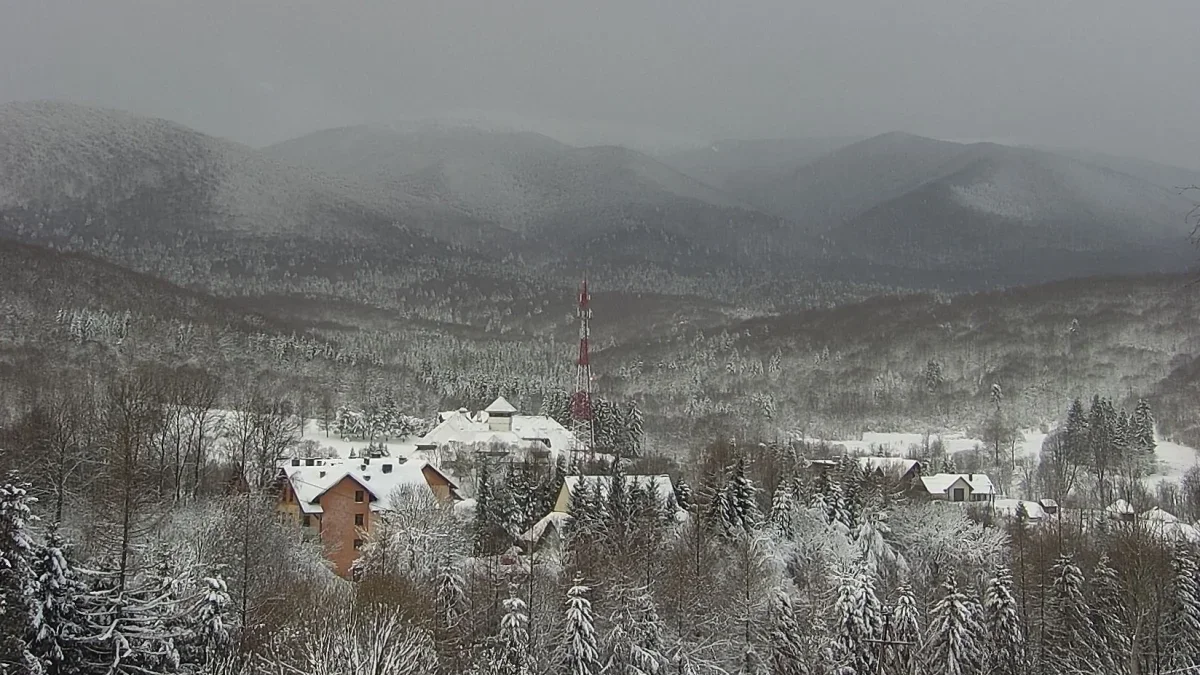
(1118, 508)
(1158, 515)
(500, 407)
(1008, 507)
(462, 428)
(553, 519)
(938, 484)
(662, 485)
(902, 465)
(379, 477)
(1169, 526)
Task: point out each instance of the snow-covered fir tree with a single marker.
(858, 621)
(788, 655)
(1068, 636)
(953, 645)
(1002, 626)
(514, 656)
(1182, 629)
(905, 631)
(684, 498)
(783, 511)
(634, 642)
(17, 581)
(57, 623)
(1142, 428)
(1108, 608)
(581, 653)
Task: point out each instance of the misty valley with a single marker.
(460, 399)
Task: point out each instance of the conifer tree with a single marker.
(683, 495)
(1107, 604)
(1002, 626)
(17, 582)
(948, 465)
(857, 620)
(1143, 428)
(635, 640)
(783, 511)
(742, 500)
(57, 623)
(1069, 638)
(448, 618)
(788, 655)
(1183, 620)
(488, 523)
(906, 629)
(953, 643)
(581, 653)
(514, 636)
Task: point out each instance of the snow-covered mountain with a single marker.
(908, 201)
(518, 179)
(98, 173)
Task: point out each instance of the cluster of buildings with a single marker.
(339, 500)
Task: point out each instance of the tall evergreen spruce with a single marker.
(788, 655)
(1108, 606)
(17, 582)
(1002, 626)
(57, 622)
(953, 645)
(514, 636)
(1069, 638)
(906, 630)
(581, 652)
(1183, 620)
(1143, 428)
(857, 621)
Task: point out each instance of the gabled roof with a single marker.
(459, 427)
(310, 482)
(1119, 507)
(938, 484)
(500, 407)
(552, 520)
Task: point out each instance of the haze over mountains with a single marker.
(895, 209)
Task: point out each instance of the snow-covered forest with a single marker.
(131, 545)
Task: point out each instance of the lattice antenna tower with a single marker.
(581, 401)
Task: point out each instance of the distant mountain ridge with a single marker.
(490, 205)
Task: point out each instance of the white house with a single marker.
(500, 425)
(959, 487)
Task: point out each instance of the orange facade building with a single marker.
(337, 500)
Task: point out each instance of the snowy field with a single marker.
(1173, 459)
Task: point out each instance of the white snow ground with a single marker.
(1173, 459)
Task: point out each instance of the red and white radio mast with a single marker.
(581, 400)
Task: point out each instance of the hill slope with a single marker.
(562, 197)
(75, 171)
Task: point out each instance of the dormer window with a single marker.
(322, 474)
(387, 468)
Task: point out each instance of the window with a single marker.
(959, 494)
(359, 520)
(357, 544)
(306, 521)
(359, 496)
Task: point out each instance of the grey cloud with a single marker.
(1108, 75)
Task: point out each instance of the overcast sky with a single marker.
(1119, 76)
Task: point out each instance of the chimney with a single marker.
(970, 477)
